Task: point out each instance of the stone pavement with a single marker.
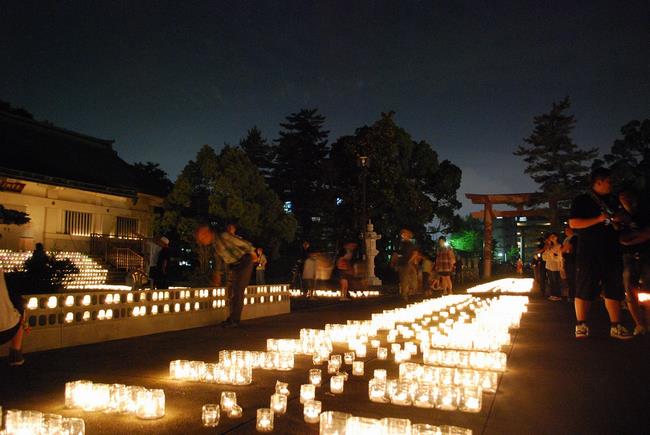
(553, 384)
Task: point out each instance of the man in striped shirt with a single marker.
(239, 255)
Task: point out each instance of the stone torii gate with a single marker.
(517, 200)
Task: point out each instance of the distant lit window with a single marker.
(126, 228)
(523, 218)
(315, 218)
(288, 206)
(78, 223)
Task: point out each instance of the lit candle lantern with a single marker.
(471, 399)
(333, 422)
(279, 403)
(489, 381)
(357, 368)
(51, 424)
(228, 400)
(401, 394)
(380, 374)
(119, 398)
(395, 426)
(424, 397)
(374, 343)
(402, 355)
(151, 404)
(447, 399)
(348, 357)
(395, 347)
(307, 392)
(236, 411)
(282, 388)
(210, 415)
(332, 367)
(73, 426)
(264, 420)
(312, 411)
(315, 376)
(317, 359)
(382, 353)
(336, 384)
(377, 390)
(363, 425)
(361, 350)
(336, 360)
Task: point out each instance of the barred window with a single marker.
(78, 223)
(127, 228)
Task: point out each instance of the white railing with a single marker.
(81, 317)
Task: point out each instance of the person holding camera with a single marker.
(552, 256)
(599, 259)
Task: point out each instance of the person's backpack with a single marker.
(9, 316)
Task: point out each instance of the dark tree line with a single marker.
(300, 186)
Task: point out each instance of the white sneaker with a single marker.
(582, 331)
(619, 332)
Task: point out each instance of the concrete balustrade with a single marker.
(82, 317)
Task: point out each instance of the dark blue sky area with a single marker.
(163, 78)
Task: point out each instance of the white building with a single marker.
(71, 185)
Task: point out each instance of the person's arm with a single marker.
(635, 237)
(581, 223)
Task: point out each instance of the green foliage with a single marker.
(153, 178)
(214, 189)
(468, 236)
(629, 158)
(298, 173)
(554, 161)
(407, 185)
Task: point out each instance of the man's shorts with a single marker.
(597, 272)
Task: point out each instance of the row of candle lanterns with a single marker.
(90, 272)
(444, 376)
(425, 395)
(456, 387)
(229, 371)
(327, 293)
(116, 398)
(24, 422)
(506, 285)
(465, 359)
(337, 423)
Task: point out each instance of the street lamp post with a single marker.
(368, 234)
(363, 162)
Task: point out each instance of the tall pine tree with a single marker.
(554, 161)
(630, 157)
(258, 150)
(298, 172)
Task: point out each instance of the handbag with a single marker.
(9, 316)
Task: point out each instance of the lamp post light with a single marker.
(363, 162)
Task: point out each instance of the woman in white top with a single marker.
(552, 255)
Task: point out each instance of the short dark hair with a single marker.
(443, 238)
(599, 174)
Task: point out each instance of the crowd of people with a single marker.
(605, 253)
(419, 272)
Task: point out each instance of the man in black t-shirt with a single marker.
(599, 264)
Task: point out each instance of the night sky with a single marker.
(162, 78)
